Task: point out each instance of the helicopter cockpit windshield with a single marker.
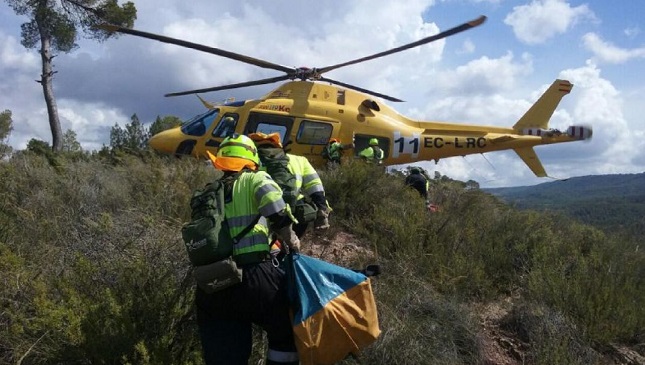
(199, 124)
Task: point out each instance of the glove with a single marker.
(288, 236)
(322, 219)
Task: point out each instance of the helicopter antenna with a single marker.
(291, 73)
(476, 171)
(487, 160)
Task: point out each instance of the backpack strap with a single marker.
(246, 230)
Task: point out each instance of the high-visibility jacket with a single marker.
(335, 151)
(307, 179)
(372, 156)
(253, 193)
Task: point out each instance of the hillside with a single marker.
(610, 202)
(93, 269)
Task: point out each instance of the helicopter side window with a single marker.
(272, 128)
(198, 125)
(226, 126)
(317, 133)
(269, 123)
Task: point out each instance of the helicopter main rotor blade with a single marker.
(444, 34)
(386, 97)
(232, 86)
(199, 47)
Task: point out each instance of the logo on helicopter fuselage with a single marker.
(277, 108)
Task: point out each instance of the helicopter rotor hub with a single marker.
(305, 73)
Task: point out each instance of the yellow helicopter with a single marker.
(310, 109)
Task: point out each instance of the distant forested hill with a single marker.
(609, 202)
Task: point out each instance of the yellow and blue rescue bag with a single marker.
(334, 311)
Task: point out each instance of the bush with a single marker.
(94, 261)
(550, 335)
(93, 269)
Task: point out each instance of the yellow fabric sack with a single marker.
(335, 312)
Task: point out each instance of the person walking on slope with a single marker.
(373, 153)
(310, 202)
(225, 317)
(418, 181)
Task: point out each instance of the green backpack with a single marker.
(276, 163)
(207, 236)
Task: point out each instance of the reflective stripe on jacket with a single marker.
(253, 193)
(369, 154)
(307, 179)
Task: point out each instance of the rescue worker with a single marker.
(225, 317)
(333, 151)
(308, 184)
(418, 181)
(226, 127)
(373, 153)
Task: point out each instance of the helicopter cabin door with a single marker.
(361, 142)
(269, 123)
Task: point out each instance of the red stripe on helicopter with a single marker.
(565, 87)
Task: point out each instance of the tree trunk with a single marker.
(48, 89)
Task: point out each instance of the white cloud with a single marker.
(467, 47)
(292, 43)
(18, 67)
(14, 56)
(543, 19)
(92, 121)
(484, 76)
(607, 52)
(594, 102)
(494, 85)
(632, 32)
(599, 104)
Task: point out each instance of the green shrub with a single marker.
(419, 326)
(598, 280)
(551, 337)
(96, 262)
(93, 269)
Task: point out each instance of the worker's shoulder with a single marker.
(254, 176)
(298, 158)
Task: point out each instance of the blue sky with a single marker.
(489, 75)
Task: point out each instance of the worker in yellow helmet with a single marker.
(310, 203)
(373, 153)
(225, 317)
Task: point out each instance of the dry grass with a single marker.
(93, 269)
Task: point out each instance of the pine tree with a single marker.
(5, 130)
(53, 27)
